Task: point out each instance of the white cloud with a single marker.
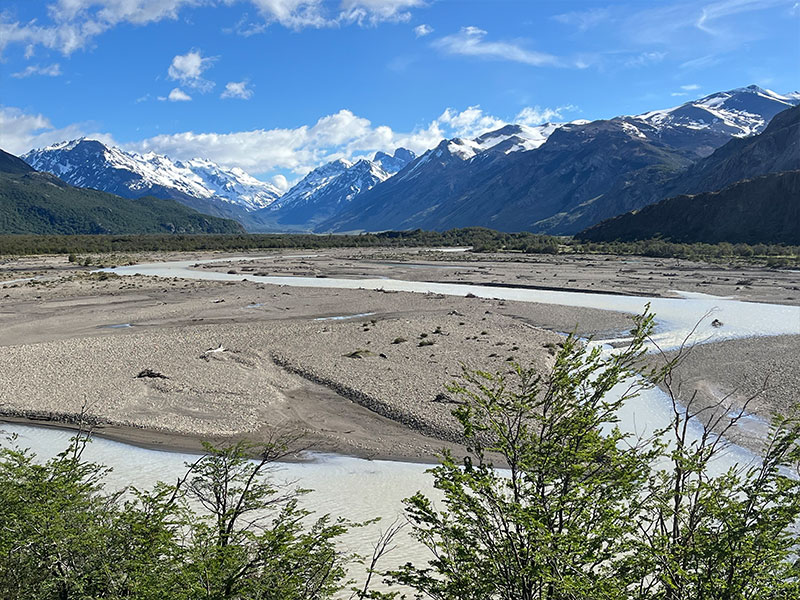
(645, 58)
(73, 24)
(53, 70)
(20, 131)
(177, 95)
(188, 69)
(237, 89)
(277, 153)
(376, 11)
(423, 30)
(280, 182)
(679, 94)
(586, 19)
(690, 87)
(470, 122)
(470, 41)
(535, 115)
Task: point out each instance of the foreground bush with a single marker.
(581, 510)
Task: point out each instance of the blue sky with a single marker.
(279, 86)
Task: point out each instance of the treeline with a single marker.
(476, 237)
(582, 511)
(481, 240)
(774, 255)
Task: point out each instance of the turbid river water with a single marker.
(361, 489)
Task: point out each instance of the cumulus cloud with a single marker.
(280, 182)
(20, 131)
(423, 30)
(470, 122)
(535, 115)
(188, 69)
(237, 89)
(53, 70)
(471, 41)
(177, 95)
(278, 153)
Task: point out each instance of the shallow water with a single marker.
(677, 317)
(360, 489)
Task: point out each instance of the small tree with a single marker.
(251, 540)
(556, 521)
(575, 509)
(722, 533)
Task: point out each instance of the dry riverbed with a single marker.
(244, 359)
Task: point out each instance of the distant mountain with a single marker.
(33, 202)
(556, 178)
(459, 183)
(774, 150)
(327, 189)
(197, 183)
(761, 210)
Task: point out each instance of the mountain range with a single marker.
(557, 178)
(746, 191)
(33, 202)
(197, 183)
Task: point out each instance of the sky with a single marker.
(278, 87)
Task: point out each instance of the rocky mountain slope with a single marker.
(328, 189)
(774, 150)
(33, 202)
(571, 180)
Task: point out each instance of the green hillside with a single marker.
(38, 203)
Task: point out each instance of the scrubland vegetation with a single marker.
(481, 240)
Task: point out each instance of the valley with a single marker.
(361, 372)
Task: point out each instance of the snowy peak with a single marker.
(92, 164)
(739, 112)
(516, 138)
(325, 190)
(312, 183)
(394, 163)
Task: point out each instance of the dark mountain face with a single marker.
(761, 210)
(776, 149)
(11, 164)
(533, 191)
(583, 172)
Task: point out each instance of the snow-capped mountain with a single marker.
(325, 189)
(199, 183)
(705, 124)
(312, 183)
(558, 178)
(394, 163)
